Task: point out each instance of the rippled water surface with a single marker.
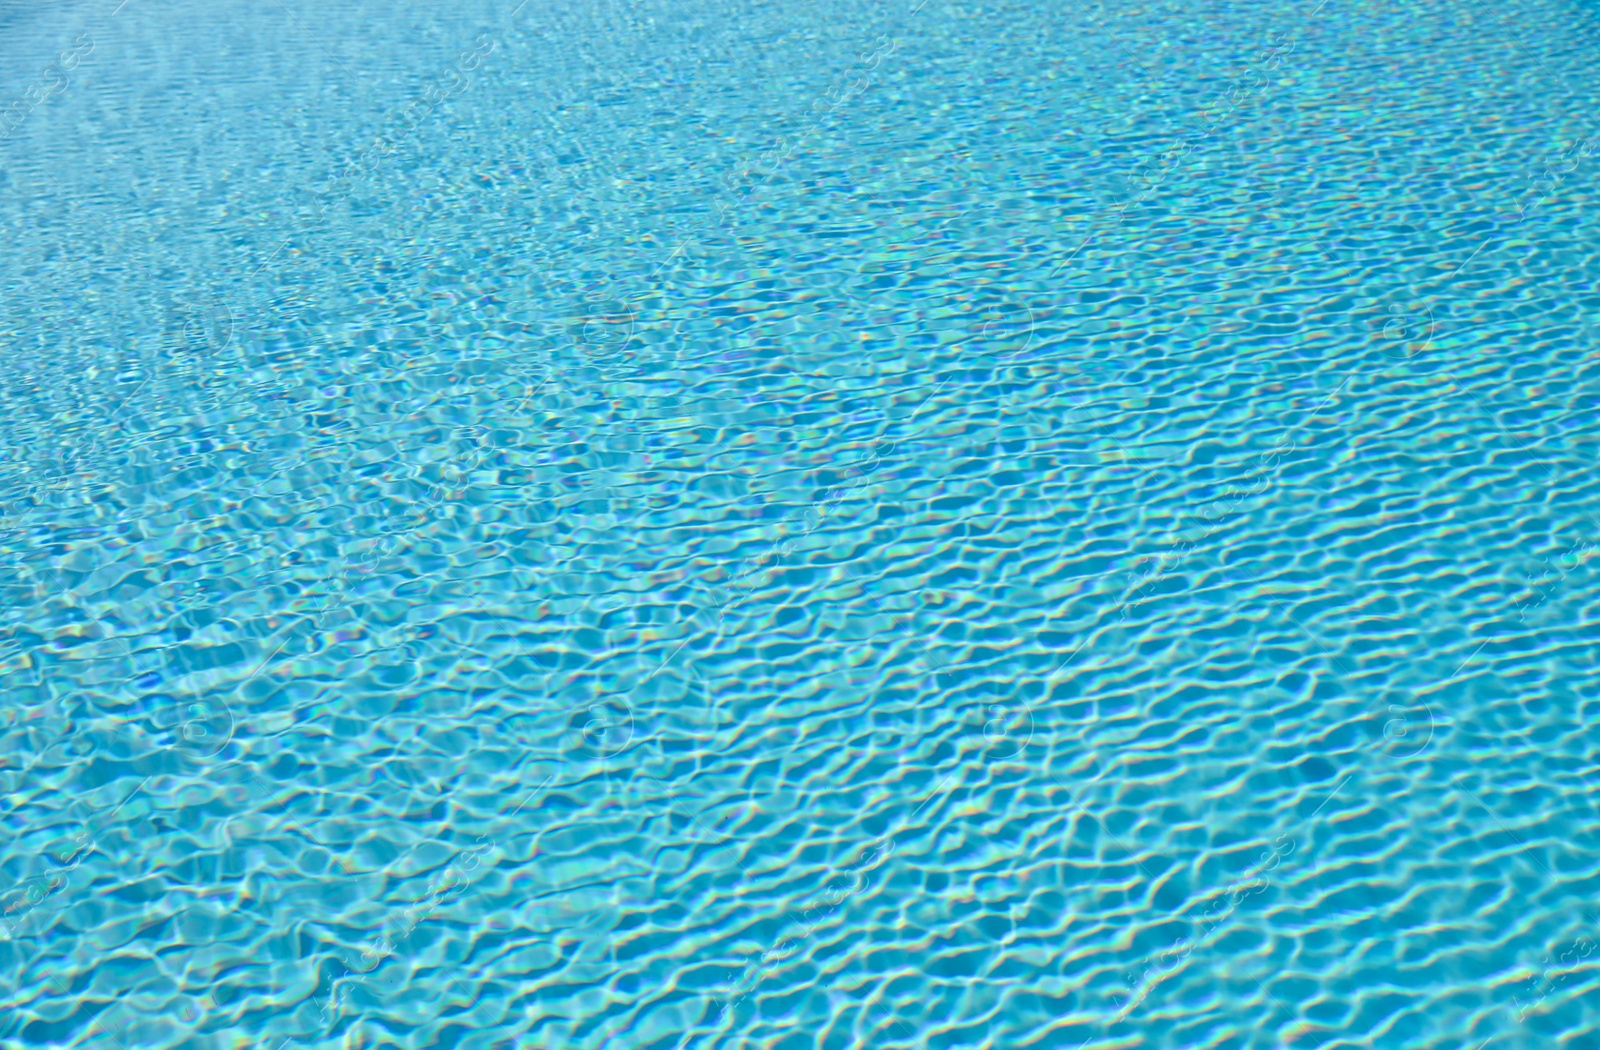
(685, 524)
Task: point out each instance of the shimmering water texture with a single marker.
(682, 525)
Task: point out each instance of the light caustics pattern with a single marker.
(690, 524)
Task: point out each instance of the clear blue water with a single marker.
(692, 524)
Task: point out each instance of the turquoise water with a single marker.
(687, 525)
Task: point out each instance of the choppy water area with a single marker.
(681, 524)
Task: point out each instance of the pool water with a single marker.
(685, 524)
